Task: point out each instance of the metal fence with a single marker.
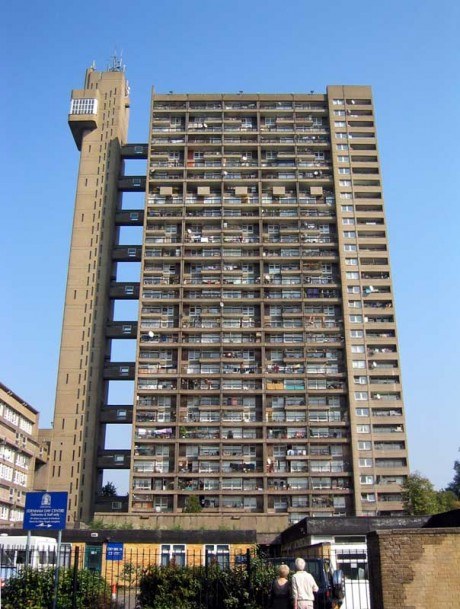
(115, 577)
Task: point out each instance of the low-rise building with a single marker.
(20, 454)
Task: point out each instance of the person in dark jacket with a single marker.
(280, 594)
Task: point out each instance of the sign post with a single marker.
(46, 512)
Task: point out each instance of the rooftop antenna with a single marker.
(117, 63)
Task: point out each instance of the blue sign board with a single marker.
(114, 551)
(45, 511)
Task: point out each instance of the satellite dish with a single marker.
(151, 334)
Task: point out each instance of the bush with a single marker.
(34, 589)
(212, 588)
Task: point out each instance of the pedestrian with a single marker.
(303, 586)
(280, 594)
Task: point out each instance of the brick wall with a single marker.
(415, 569)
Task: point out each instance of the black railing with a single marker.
(111, 575)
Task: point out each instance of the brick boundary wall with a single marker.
(414, 568)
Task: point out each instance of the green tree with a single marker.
(447, 500)
(454, 486)
(419, 495)
(109, 490)
(192, 505)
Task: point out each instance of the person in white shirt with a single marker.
(303, 586)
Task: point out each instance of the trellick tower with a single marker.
(266, 378)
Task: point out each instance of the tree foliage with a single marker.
(454, 486)
(109, 490)
(192, 505)
(420, 497)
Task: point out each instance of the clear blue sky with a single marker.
(408, 50)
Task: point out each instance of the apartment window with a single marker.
(368, 497)
(347, 208)
(357, 348)
(350, 234)
(341, 147)
(356, 319)
(356, 334)
(361, 396)
(366, 480)
(350, 247)
(339, 123)
(360, 380)
(355, 304)
(338, 102)
(365, 462)
(344, 170)
(351, 275)
(341, 136)
(363, 428)
(351, 261)
(362, 412)
(348, 220)
(339, 112)
(345, 182)
(364, 445)
(20, 478)
(346, 195)
(353, 289)
(6, 472)
(343, 159)
(358, 363)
